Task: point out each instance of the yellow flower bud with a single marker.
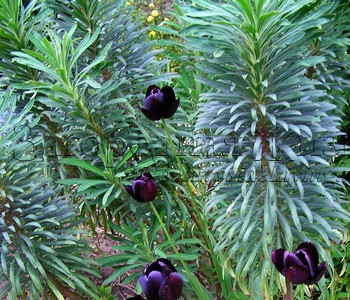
(150, 19)
(127, 3)
(151, 5)
(152, 33)
(154, 13)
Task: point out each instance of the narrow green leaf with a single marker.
(127, 156)
(34, 277)
(55, 290)
(19, 260)
(87, 183)
(247, 10)
(106, 196)
(121, 271)
(3, 262)
(82, 164)
(150, 161)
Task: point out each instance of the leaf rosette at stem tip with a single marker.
(160, 281)
(143, 188)
(300, 267)
(160, 103)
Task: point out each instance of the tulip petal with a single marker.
(144, 283)
(155, 102)
(169, 94)
(307, 260)
(171, 104)
(171, 109)
(150, 89)
(297, 274)
(171, 288)
(167, 263)
(150, 115)
(137, 186)
(147, 176)
(150, 284)
(148, 191)
(128, 188)
(290, 260)
(310, 249)
(277, 257)
(321, 269)
(154, 266)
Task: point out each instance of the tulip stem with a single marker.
(192, 279)
(173, 148)
(169, 237)
(289, 293)
(302, 293)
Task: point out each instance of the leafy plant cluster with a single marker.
(251, 161)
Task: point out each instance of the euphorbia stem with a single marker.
(199, 221)
(289, 293)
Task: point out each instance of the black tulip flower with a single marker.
(143, 188)
(300, 267)
(160, 103)
(160, 281)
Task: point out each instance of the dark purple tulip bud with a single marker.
(160, 103)
(160, 281)
(300, 267)
(143, 188)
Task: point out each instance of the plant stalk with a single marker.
(192, 279)
(289, 292)
(200, 222)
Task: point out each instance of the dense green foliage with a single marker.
(253, 160)
(40, 251)
(269, 127)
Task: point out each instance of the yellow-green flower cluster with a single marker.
(155, 16)
(152, 33)
(152, 18)
(154, 13)
(172, 67)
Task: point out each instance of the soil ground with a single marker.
(105, 244)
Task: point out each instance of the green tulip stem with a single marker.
(173, 148)
(302, 293)
(169, 237)
(192, 279)
(289, 292)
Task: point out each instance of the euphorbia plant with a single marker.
(267, 129)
